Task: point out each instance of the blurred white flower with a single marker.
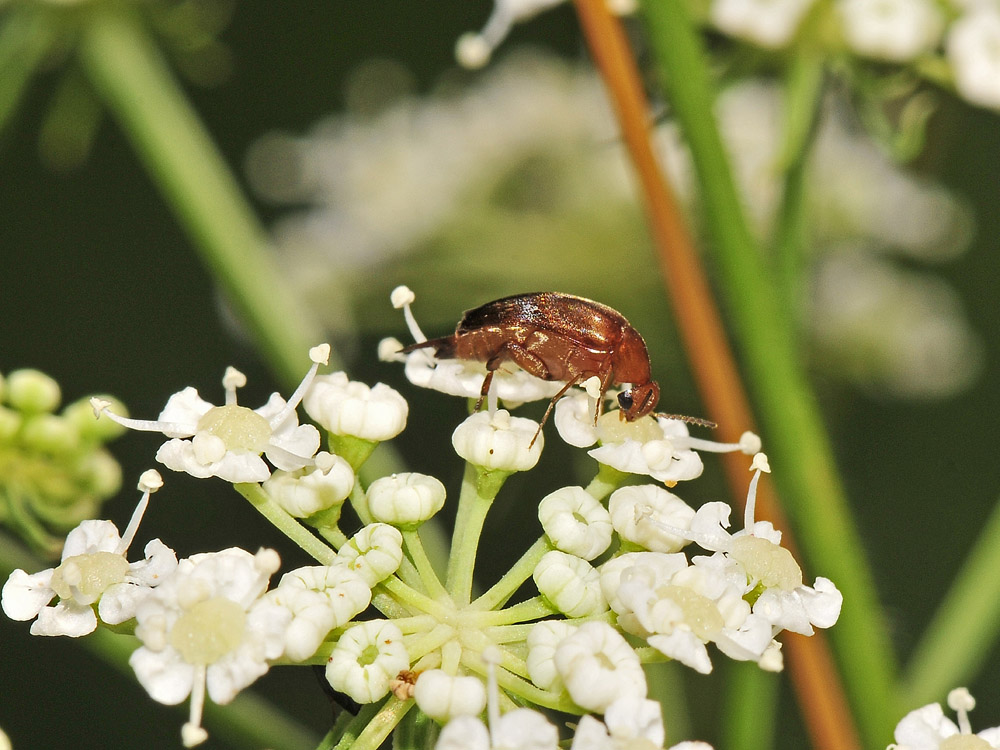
(769, 23)
(895, 30)
(973, 48)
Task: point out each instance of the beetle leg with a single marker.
(552, 403)
(605, 384)
(486, 388)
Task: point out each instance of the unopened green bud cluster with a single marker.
(54, 469)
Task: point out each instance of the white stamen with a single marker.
(193, 733)
(320, 354)
(149, 481)
(960, 701)
(296, 397)
(232, 380)
(402, 296)
(100, 406)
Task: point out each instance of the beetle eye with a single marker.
(625, 400)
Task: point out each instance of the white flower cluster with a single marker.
(609, 570)
(964, 34)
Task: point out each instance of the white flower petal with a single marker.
(24, 595)
(65, 618)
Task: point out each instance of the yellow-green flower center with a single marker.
(613, 429)
(90, 575)
(767, 562)
(238, 427)
(209, 630)
(700, 612)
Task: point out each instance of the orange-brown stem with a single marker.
(811, 667)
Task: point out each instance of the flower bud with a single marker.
(50, 434)
(366, 658)
(576, 522)
(405, 499)
(498, 443)
(598, 666)
(570, 584)
(32, 391)
(442, 696)
(374, 553)
(346, 407)
(542, 641)
(307, 491)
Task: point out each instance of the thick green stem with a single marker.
(793, 428)
(473, 504)
(133, 79)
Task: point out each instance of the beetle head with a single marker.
(639, 400)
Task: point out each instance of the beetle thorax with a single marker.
(630, 361)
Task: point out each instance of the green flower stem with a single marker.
(509, 633)
(346, 737)
(286, 523)
(413, 599)
(389, 606)
(414, 624)
(965, 625)
(793, 428)
(472, 509)
(333, 535)
(381, 725)
(339, 728)
(606, 481)
(521, 687)
(511, 581)
(131, 76)
(432, 584)
(430, 641)
(532, 609)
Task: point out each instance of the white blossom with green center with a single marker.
(93, 570)
(227, 441)
(208, 627)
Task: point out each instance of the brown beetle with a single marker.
(555, 336)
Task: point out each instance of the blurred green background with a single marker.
(101, 288)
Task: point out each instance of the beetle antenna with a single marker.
(688, 420)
